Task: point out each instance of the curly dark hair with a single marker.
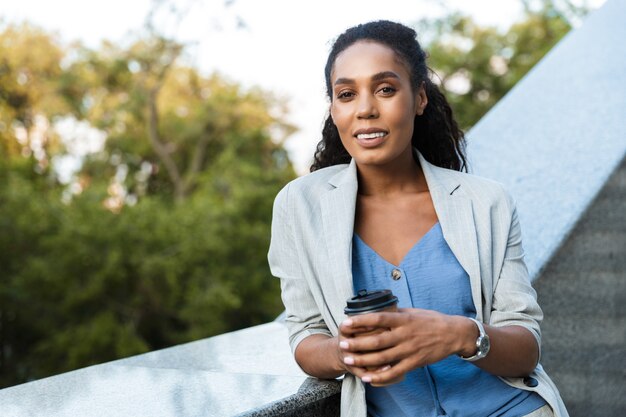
(436, 134)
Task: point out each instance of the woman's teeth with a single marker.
(370, 135)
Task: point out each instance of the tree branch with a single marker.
(159, 147)
(196, 162)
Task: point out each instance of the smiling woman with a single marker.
(404, 73)
(386, 207)
(375, 107)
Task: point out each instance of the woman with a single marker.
(386, 206)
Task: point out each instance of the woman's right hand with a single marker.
(319, 355)
(322, 356)
(344, 354)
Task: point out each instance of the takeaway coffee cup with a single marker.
(371, 301)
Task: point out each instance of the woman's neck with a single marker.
(400, 177)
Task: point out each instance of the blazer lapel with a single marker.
(456, 217)
(338, 210)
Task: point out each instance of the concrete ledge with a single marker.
(558, 135)
(314, 398)
(249, 372)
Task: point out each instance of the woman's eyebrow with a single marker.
(376, 77)
(385, 74)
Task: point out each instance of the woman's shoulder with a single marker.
(476, 186)
(311, 184)
(319, 177)
(476, 181)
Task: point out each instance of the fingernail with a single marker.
(366, 379)
(385, 368)
(348, 360)
(347, 322)
(343, 344)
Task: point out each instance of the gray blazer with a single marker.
(310, 251)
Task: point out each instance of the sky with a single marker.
(282, 48)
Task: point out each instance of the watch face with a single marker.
(484, 345)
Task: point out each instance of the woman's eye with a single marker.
(344, 94)
(387, 90)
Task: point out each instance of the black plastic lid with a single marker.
(370, 301)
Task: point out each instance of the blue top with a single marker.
(430, 277)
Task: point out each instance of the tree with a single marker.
(476, 66)
(186, 118)
(160, 236)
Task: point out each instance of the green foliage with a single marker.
(476, 66)
(160, 237)
(86, 285)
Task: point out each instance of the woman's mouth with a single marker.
(370, 140)
(370, 135)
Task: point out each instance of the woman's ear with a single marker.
(421, 100)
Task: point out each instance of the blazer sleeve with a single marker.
(514, 298)
(302, 314)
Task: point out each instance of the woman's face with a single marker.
(373, 103)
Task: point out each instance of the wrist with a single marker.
(339, 366)
(467, 334)
(482, 343)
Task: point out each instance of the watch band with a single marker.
(482, 343)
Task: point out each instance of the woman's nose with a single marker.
(366, 108)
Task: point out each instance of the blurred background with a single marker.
(142, 144)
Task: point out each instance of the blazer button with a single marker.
(530, 382)
(396, 274)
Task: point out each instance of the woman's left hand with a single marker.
(414, 338)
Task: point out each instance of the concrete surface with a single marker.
(583, 294)
(245, 373)
(556, 137)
